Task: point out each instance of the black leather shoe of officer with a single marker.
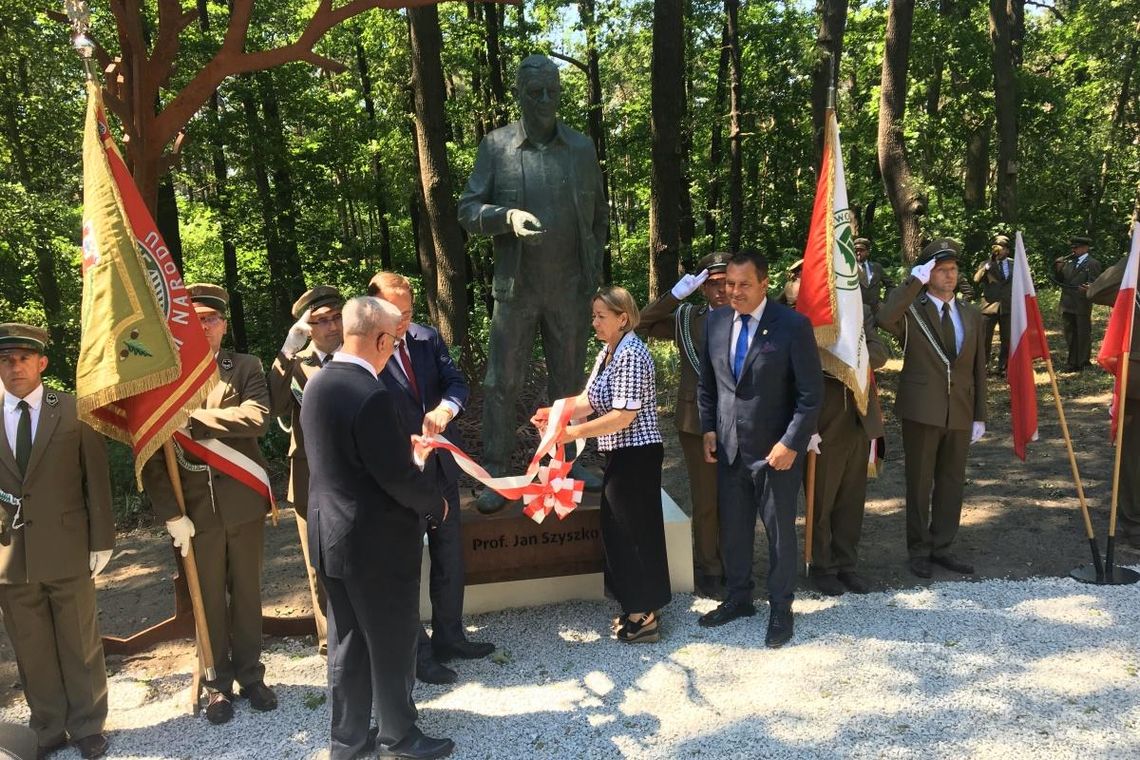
(828, 585)
(260, 696)
(726, 612)
(416, 746)
(950, 562)
(92, 746)
(854, 582)
(781, 626)
(430, 671)
(463, 649)
(220, 707)
(920, 566)
(51, 747)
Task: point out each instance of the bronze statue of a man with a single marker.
(537, 190)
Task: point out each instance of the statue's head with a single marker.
(538, 87)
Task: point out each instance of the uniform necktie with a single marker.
(741, 346)
(24, 436)
(326, 360)
(867, 269)
(406, 361)
(949, 339)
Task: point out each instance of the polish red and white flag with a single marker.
(1027, 343)
(1118, 335)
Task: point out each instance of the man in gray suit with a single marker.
(537, 190)
(759, 397)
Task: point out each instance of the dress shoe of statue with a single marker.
(430, 671)
(417, 746)
(590, 481)
(489, 502)
(463, 649)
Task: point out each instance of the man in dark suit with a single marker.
(995, 275)
(432, 391)
(872, 277)
(367, 504)
(669, 317)
(1074, 273)
(941, 400)
(56, 535)
(317, 312)
(759, 397)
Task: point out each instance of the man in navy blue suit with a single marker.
(759, 396)
(368, 502)
(432, 390)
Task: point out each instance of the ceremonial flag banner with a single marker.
(829, 286)
(1118, 334)
(1027, 342)
(144, 362)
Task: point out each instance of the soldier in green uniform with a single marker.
(225, 518)
(995, 276)
(317, 312)
(669, 318)
(1074, 273)
(56, 535)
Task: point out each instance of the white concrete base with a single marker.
(489, 597)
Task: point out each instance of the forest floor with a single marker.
(1019, 520)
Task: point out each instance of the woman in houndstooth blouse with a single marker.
(622, 393)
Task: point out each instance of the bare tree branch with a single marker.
(571, 60)
(1048, 7)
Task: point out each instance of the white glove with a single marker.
(99, 561)
(688, 284)
(978, 431)
(181, 530)
(813, 443)
(524, 223)
(298, 336)
(922, 271)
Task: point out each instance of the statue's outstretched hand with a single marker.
(524, 223)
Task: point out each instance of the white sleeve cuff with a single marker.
(450, 406)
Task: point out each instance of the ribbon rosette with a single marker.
(543, 488)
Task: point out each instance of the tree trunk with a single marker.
(166, 219)
(974, 188)
(907, 203)
(1118, 116)
(294, 277)
(825, 75)
(735, 132)
(1002, 20)
(492, 22)
(435, 174)
(595, 123)
(668, 68)
(716, 143)
(377, 166)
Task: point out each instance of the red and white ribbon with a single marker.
(230, 461)
(542, 488)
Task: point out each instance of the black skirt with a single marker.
(633, 528)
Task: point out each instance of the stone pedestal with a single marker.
(512, 561)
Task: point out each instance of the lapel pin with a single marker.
(764, 331)
(51, 399)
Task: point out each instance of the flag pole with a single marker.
(1110, 545)
(1089, 533)
(809, 510)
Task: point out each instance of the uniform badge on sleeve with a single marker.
(51, 399)
(227, 364)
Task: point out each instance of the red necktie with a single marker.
(407, 362)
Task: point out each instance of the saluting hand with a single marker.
(298, 335)
(688, 284)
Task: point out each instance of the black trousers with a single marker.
(446, 582)
(373, 625)
(1078, 337)
(633, 528)
(743, 492)
(1000, 321)
(935, 464)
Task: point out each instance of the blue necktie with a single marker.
(741, 346)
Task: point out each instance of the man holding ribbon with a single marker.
(56, 535)
(941, 400)
(431, 391)
(225, 516)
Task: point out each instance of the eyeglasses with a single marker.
(325, 321)
(211, 321)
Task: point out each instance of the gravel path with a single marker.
(1026, 669)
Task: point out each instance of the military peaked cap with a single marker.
(716, 262)
(862, 242)
(317, 298)
(211, 296)
(1076, 240)
(1002, 240)
(796, 266)
(16, 335)
(942, 249)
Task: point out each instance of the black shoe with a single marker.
(854, 582)
(92, 746)
(645, 630)
(260, 696)
(920, 566)
(463, 649)
(726, 612)
(50, 747)
(709, 586)
(416, 746)
(430, 671)
(828, 585)
(490, 502)
(220, 707)
(781, 626)
(950, 562)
